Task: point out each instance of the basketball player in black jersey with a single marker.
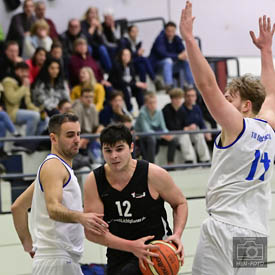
(131, 194)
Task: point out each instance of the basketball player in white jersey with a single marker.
(57, 217)
(238, 194)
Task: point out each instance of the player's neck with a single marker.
(68, 160)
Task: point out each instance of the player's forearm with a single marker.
(20, 220)
(60, 213)
(202, 72)
(180, 214)
(110, 240)
(268, 73)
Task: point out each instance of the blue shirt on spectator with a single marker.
(194, 115)
(150, 123)
(162, 48)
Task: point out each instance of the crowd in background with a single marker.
(94, 70)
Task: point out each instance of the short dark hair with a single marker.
(10, 43)
(115, 94)
(115, 133)
(62, 102)
(56, 44)
(57, 120)
(21, 65)
(170, 24)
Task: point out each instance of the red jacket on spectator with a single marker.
(77, 62)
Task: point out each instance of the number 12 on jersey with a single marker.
(264, 160)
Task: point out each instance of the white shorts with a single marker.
(55, 265)
(214, 255)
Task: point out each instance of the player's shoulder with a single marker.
(156, 172)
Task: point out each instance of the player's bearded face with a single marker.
(69, 139)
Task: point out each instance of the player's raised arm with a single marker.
(264, 43)
(223, 112)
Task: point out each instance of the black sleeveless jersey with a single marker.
(131, 213)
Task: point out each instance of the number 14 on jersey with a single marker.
(265, 161)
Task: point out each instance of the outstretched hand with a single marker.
(186, 21)
(265, 33)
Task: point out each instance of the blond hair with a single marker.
(92, 82)
(249, 88)
(41, 23)
(176, 92)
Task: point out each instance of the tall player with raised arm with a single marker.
(238, 194)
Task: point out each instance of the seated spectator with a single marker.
(40, 11)
(17, 94)
(174, 115)
(194, 121)
(123, 78)
(9, 59)
(81, 58)
(64, 106)
(169, 56)
(151, 120)
(69, 36)
(114, 110)
(49, 87)
(142, 64)
(36, 62)
(38, 38)
(5, 125)
(21, 23)
(109, 35)
(56, 52)
(87, 80)
(88, 119)
(92, 29)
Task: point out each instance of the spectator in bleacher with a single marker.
(123, 78)
(194, 121)
(168, 55)
(50, 87)
(36, 62)
(9, 59)
(142, 64)
(81, 58)
(21, 23)
(68, 38)
(17, 98)
(151, 120)
(89, 123)
(174, 115)
(113, 110)
(87, 80)
(39, 37)
(5, 125)
(56, 52)
(64, 106)
(40, 11)
(92, 29)
(110, 37)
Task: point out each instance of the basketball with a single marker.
(167, 263)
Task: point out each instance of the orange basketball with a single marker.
(166, 264)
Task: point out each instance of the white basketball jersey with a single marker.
(50, 236)
(239, 191)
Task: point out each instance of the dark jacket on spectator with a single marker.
(67, 41)
(174, 120)
(163, 49)
(6, 68)
(95, 39)
(194, 116)
(77, 62)
(125, 42)
(20, 24)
